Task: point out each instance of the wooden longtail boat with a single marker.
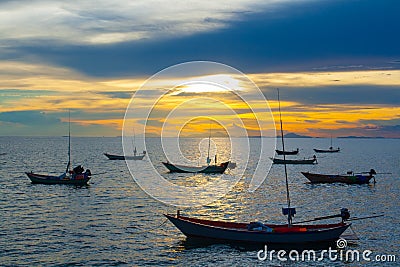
(197, 169)
(65, 178)
(135, 156)
(294, 161)
(201, 169)
(330, 150)
(349, 178)
(265, 234)
(281, 152)
(118, 157)
(76, 176)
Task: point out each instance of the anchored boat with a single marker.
(292, 152)
(349, 178)
(209, 168)
(312, 160)
(119, 157)
(196, 169)
(76, 176)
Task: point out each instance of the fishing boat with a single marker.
(281, 152)
(349, 178)
(135, 156)
(119, 157)
(65, 178)
(329, 150)
(201, 169)
(312, 160)
(76, 176)
(196, 169)
(258, 232)
(284, 152)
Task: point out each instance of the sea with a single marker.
(113, 222)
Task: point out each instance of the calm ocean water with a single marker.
(113, 222)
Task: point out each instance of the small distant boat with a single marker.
(281, 152)
(284, 152)
(2, 154)
(135, 156)
(119, 157)
(295, 161)
(349, 178)
(197, 169)
(330, 150)
(76, 176)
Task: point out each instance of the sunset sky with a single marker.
(336, 62)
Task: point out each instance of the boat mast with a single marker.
(209, 143)
(284, 161)
(134, 142)
(69, 141)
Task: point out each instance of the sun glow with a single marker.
(220, 83)
(102, 102)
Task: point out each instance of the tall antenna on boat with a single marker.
(209, 143)
(69, 140)
(134, 142)
(284, 160)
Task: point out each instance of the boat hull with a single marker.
(192, 169)
(348, 179)
(75, 179)
(294, 161)
(326, 150)
(118, 157)
(238, 232)
(281, 152)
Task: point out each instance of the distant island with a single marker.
(293, 135)
(362, 137)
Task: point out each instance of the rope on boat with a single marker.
(158, 226)
(339, 215)
(368, 217)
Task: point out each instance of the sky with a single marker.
(336, 62)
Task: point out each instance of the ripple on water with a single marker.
(112, 222)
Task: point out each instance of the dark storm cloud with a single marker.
(345, 94)
(300, 35)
